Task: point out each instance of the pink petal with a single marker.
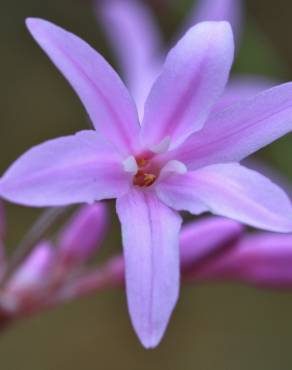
(133, 34)
(151, 249)
(200, 239)
(100, 89)
(263, 260)
(241, 88)
(269, 171)
(233, 191)
(83, 234)
(240, 130)
(193, 77)
(34, 273)
(73, 169)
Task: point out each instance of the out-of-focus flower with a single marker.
(36, 282)
(182, 157)
(218, 10)
(82, 236)
(211, 250)
(199, 240)
(27, 288)
(261, 259)
(135, 38)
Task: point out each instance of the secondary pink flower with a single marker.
(131, 23)
(181, 157)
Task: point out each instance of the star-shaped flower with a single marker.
(183, 156)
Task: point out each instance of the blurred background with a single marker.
(214, 327)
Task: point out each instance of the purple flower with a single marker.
(131, 23)
(182, 157)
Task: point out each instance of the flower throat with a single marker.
(144, 176)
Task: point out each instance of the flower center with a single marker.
(144, 176)
(148, 167)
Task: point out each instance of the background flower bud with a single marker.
(83, 234)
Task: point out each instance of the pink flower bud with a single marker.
(83, 235)
(263, 260)
(35, 271)
(200, 239)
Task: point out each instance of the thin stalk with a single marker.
(35, 234)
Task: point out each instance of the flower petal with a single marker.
(130, 22)
(232, 191)
(82, 235)
(193, 77)
(200, 239)
(35, 271)
(240, 130)
(151, 249)
(219, 10)
(262, 259)
(241, 88)
(72, 169)
(99, 87)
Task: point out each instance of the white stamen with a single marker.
(162, 147)
(174, 166)
(130, 165)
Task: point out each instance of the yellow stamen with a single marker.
(149, 179)
(143, 179)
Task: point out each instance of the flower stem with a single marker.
(36, 233)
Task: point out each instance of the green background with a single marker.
(215, 327)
